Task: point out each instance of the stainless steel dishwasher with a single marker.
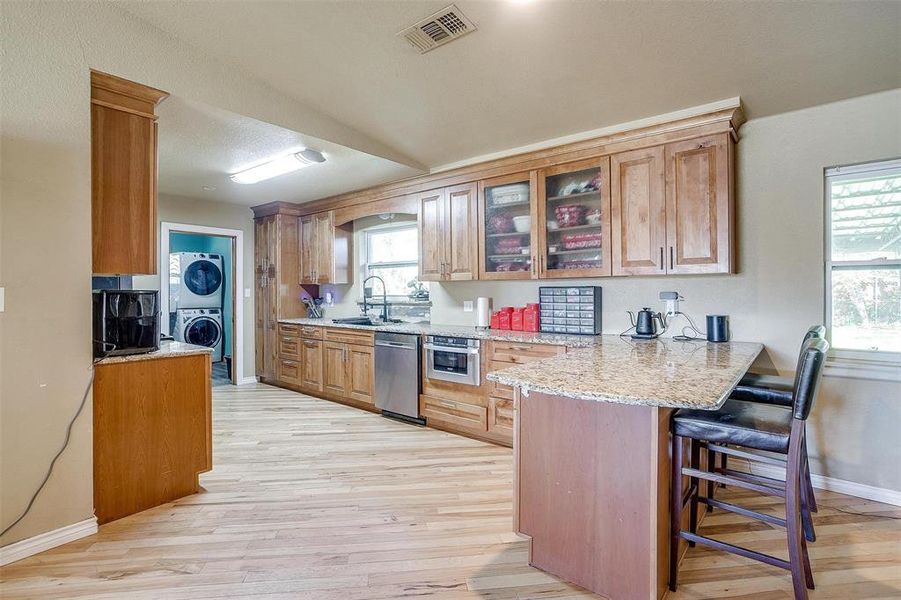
(398, 376)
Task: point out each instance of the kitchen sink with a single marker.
(364, 321)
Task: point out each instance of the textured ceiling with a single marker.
(541, 69)
(201, 145)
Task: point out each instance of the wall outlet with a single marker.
(467, 306)
(2, 299)
(247, 292)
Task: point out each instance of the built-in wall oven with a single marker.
(453, 359)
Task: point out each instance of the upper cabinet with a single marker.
(123, 175)
(672, 208)
(638, 212)
(508, 227)
(699, 205)
(574, 220)
(448, 228)
(325, 250)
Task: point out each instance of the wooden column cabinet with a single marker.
(326, 250)
(123, 175)
(699, 205)
(638, 212)
(276, 249)
(448, 227)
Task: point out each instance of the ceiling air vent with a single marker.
(438, 29)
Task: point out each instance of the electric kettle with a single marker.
(646, 323)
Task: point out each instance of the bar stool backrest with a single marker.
(808, 376)
(816, 331)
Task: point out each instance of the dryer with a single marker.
(201, 279)
(201, 327)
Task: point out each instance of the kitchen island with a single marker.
(592, 458)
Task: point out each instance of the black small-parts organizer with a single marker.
(575, 309)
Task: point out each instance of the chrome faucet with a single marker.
(384, 298)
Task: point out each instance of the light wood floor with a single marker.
(313, 500)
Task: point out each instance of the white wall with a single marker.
(778, 291)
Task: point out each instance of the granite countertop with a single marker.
(662, 372)
(168, 349)
(523, 337)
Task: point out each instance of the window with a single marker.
(392, 253)
(863, 259)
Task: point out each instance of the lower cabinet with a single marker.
(334, 372)
(289, 371)
(454, 414)
(311, 363)
(361, 373)
(500, 417)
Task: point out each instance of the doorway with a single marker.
(200, 281)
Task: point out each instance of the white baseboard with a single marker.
(248, 380)
(46, 541)
(842, 486)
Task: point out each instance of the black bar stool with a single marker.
(775, 390)
(755, 426)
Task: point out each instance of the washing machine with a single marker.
(201, 327)
(201, 279)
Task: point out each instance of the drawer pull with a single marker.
(447, 403)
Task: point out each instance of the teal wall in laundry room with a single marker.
(211, 244)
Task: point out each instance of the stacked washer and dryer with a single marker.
(198, 298)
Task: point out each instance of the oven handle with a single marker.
(451, 349)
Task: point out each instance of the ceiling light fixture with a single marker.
(278, 166)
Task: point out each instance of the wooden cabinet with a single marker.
(276, 249)
(508, 227)
(454, 414)
(447, 230)
(325, 250)
(673, 209)
(361, 373)
(574, 220)
(152, 432)
(311, 352)
(502, 355)
(123, 176)
(638, 212)
(699, 205)
(334, 372)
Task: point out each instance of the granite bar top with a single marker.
(168, 349)
(661, 372)
(522, 337)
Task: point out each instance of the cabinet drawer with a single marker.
(309, 331)
(288, 346)
(500, 416)
(349, 336)
(289, 371)
(456, 414)
(499, 390)
(522, 353)
(288, 329)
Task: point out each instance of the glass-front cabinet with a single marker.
(507, 222)
(574, 220)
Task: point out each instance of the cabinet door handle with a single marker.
(671, 258)
(662, 264)
(447, 403)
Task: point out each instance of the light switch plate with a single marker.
(247, 292)
(467, 306)
(2, 299)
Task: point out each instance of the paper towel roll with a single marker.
(483, 312)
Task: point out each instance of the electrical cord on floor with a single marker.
(750, 466)
(84, 401)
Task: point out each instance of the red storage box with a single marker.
(530, 318)
(516, 319)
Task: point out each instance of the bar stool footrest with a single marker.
(718, 545)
